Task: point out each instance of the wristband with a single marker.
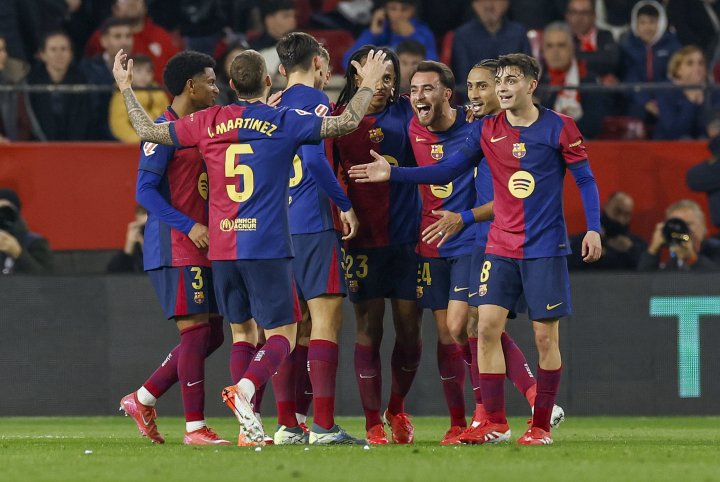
(468, 217)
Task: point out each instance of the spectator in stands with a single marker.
(487, 36)
(596, 47)
(621, 247)
(153, 99)
(227, 94)
(443, 16)
(200, 22)
(14, 119)
(682, 114)
(21, 250)
(116, 34)
(536, 14)
(696, 22)
(278, 19)
(563, 69)
(130, 258)
(148, 38)
(645, 54)
(60, 116)
(705, 177)
(410, 53)
(614, 16)
(350, 15)
(685, 241)
(393, 22)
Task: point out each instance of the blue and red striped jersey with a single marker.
(248, 149)
(484, 191)
(389, 214)
(430, 148)
(183, 184)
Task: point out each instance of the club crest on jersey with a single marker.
(199, 297)
(149, 148)
(482, 290)
(419, 291)
(376, 135)
(519, 150)
(353, 285)
(436, 151)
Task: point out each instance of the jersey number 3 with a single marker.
(232, 170)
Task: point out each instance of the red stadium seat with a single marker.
(337, 42)
(446, 48)
(622, 128)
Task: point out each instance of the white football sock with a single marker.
(192, 426)
(247, 388)
(301, 418)
(145, 397)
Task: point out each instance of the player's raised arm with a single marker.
(144, 126)
(371, 73)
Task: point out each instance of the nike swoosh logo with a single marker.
(419, 139)
(493, 139)
(446, 378)
(408, 370)
(476, 388)
(306, 393)
(472, 294)
(552, 307)
(458, 290)
(194, 383)
(146, 422)
(365, 376)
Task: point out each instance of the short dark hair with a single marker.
(487, 64)
(112, 22)
(649, 10)
(447, 79)
(55, 33)
(527, 64)
(297, 50)
(248, 72)
(183, 67)
(269, 7)
(142, 59)
(412, 47)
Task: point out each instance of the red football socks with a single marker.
(191, 370)
(492, 386)
(369, 379)
(323, 363)
(452, 375)
(404, 364)
(547, 388)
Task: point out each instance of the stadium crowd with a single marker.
(586, 43)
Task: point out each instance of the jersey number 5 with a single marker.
(232, 170)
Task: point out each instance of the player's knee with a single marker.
(488, 333)
(545, 342)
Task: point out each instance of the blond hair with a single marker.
(678, 57)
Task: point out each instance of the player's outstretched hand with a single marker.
(274, 99)
(373, 70)
(442, 229)
(591, 247)
(123, 77)
(199, 235)
(377, 171)
(350, 224)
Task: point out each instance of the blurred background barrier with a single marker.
(637, 345)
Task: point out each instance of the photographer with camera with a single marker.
(21, 251)
(130, 258)
(683, 233)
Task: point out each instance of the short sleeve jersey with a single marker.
(389, 213)
(430, 148)
(184, 186)
(528, 167)
(248, 149)
(310, 207)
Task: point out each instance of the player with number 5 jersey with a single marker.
(246, 146)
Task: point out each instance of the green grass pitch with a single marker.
(586, 449)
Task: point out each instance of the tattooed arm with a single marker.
(370, 73)
(146, 129)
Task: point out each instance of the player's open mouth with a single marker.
(423, 110)
(476, 107)
(505, 98)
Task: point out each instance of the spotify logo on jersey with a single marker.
(521, 184)
(203, 185)
(441, 191)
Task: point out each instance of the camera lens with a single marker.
(675, 231)
(8, 218)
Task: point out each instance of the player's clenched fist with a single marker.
(378, 171)
(123, 76)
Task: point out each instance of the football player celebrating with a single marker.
(172, 185)
(380, 261)
(528, 149)
(245, 146)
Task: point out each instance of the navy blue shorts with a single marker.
(544, 282)
(184, 290)
(440, 280)
(388, 272)
(316, 265)
(256, 288)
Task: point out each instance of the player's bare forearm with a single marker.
(484, 212)
(146, 129)
(349, 120)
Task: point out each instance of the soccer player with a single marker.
(316, 265)
(380, 261)
(248, 148)
(172, 185)
(528, 148)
